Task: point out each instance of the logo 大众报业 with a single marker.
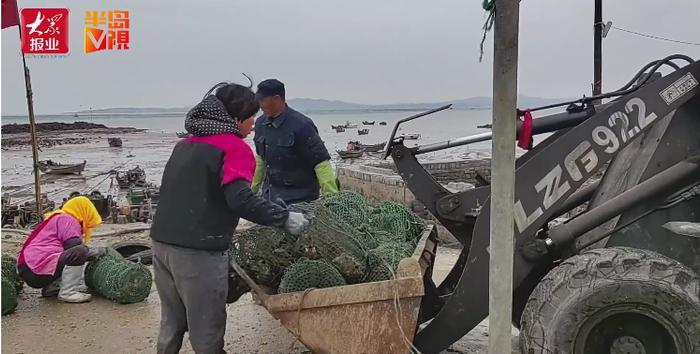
(44, 30)
(106, 30)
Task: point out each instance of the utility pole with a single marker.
(598, 47)
(501, 249)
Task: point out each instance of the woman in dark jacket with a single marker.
(204, 192)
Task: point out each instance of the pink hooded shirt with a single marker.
(42, 252)
(239, 161)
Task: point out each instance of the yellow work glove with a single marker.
(259, 175)
(326, 177)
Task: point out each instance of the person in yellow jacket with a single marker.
(292, 162)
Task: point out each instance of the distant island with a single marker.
(322, 105)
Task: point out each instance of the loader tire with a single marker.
(614, 300)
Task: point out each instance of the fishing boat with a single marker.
(182, 135)
(411, 136)
(350, 154)
(51, 168)
(339, 129)
(362, 131)
(382, 123)
(349, 125)
(136, 177)
(366, 122)
(356, 145)
(114, 142)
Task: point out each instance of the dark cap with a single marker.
(270, 87)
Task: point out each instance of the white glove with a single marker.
(296, 223)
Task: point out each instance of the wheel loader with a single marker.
(607, 237)
(620, 273)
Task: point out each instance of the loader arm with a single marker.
(546, 178)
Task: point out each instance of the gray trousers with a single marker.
(192, 285)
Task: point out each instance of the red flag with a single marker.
(9, 13)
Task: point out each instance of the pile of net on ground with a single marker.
(348, 241)
(11, 284)
(118, 279)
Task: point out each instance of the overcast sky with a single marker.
(366, 51)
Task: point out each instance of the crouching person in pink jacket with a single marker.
(53, 256)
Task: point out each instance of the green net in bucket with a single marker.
(383, 261)
(118, 279)
(343, 230)
(9, 296)
(264, 252)
(396, 219)
(9, 272)
(332, 238)
(308, 273)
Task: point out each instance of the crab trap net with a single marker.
(348, 241)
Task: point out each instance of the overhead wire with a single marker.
(651, 36)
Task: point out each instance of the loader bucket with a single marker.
(377, 317)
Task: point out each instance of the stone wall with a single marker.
(379, 181)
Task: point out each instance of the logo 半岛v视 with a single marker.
(106, 30)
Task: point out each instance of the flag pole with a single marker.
(32, 124)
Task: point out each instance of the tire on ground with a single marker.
(614, 300)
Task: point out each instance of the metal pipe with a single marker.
(663, 182)
(546, 124)
(577, 198)
(505, 90)
(387, 151)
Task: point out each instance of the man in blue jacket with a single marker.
(292, 163)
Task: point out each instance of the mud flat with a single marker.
(55, 134)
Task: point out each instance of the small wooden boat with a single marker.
(182, 135)
(373, 147)
(51, 168)
(411, 136)
(350, 154)
(349, 125)
(382, 123)
(339, 129)
(370, 122)
(362, 131)
(337, 126)
(114, 142)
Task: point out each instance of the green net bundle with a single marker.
(118, 279)
(384, 260)
(397, 220)
(9, 271)
(264, 252)
(346, 236)
(11, 284)
(9, 296)
(308, 273)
